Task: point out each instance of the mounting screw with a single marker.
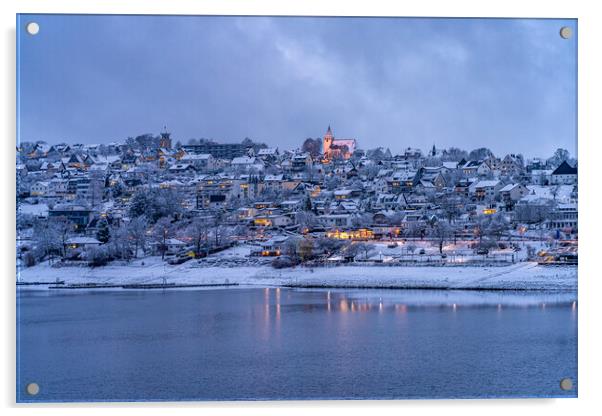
(32, 389)
(566, 32)
(566, 384)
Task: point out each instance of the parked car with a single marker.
(421, 251)
(483, 251)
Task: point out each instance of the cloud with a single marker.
(507, 84)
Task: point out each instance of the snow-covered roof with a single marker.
(82, 240)
(243, 160)
(486, 184)
(200, 156)
(174, 242)
(290, 202)
(450, 165)
(273, 177)
(268, 151)
(509, 187)
(180, 166)
(342, 192)
(402, 175)
(171, 183)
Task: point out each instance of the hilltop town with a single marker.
(328, 203)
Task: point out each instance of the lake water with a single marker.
(230, 344)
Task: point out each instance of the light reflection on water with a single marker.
(349, 301)
(293, 344)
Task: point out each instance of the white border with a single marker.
(590, 134)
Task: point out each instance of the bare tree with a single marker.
(162, 231)
(136, 230)
(360, 248)
(198, 231)
(45, 239)
(441, 231)
(305, 249)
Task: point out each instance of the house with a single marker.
(564, 217)
(76, 245)
(174, 246)
(274, 247)
(245, 214)
(273, 182)
(39, 188)
(214, 191)
(269, 154)
(512, 193)
(79, 215)
(272, 221)
(247, 163)
(57, 187)
(203, 162)
(130, 160)
(52, 167)
(300, 162)
(389, 202)
(462, 187)
(335, 220)
(564, 174)
(432, 177)
(291, 205)
(475, 167)
(341, 194)
(77, 161)
(182, 169)
(450, 166)
(402, 181)
(485, 189)
(511, 164)
(40, 150)
(173, 184)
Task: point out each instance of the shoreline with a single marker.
(519, 276)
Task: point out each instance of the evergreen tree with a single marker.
(103, 233)
(307, 206)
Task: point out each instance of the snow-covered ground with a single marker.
(33, 209)
(521, 276)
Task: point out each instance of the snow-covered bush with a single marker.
(29, 259)
(97, 256)
(283, 262)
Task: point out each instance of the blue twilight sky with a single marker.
(507, 84)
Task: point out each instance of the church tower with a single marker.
(165, 141)
(327, 142)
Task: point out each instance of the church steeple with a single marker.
(165, 140)
(327, 142)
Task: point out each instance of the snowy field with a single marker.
(521, 276)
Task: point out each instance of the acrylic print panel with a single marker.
(267, 208)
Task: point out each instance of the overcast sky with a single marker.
(509, 85)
